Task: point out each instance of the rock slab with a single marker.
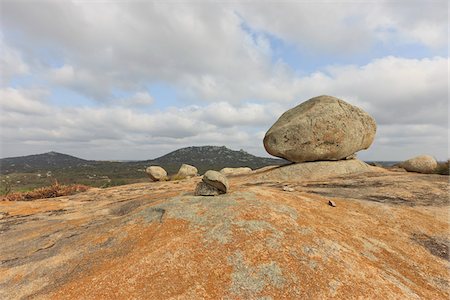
(420, 164)
(314, 170)
(322, 128)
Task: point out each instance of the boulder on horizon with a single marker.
(187, 171)
(421, 164)
(322, 128)
(156, 173)
(235, 171)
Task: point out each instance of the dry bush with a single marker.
(52, 191)
(443, 168)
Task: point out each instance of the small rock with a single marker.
(288, 189)
(156, 173)
(204, 189)
(331, 203)
(216, 179)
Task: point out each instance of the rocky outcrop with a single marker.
(420, 164)
(156, 173)
(314, 170)
(385, 239)
(322, 128)
(235, 171)
(187, 171)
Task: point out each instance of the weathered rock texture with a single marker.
(187, 171)
(322, 128)
(420, 164)
(216, 179)
(313, 170)
(235, 171)
(387, 238)
(156, 173)
(204, 189)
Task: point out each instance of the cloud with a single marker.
(210, 51)
(346, 28)
(11, 63)
(221, 60)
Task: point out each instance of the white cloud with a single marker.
(11, 63)
(218, 56)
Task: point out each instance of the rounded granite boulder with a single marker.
(187, 171)
(156, 173)
(421, 164)
(322, 128)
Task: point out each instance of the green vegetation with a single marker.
(21, 174)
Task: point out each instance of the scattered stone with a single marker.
(331, 203)
(156, 173)
(420, 164)
(186, 171)
(235, 171)
(288, 189)
(322, 128)
(216, 179)
(204, 189)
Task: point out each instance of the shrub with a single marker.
(443, 168)
(52, 191)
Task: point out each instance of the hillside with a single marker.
(39, 170)
(49, 161)
(211, 157)
(385, 239)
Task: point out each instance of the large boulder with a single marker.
(156, 173)
(322, 128)
(420, 164)
(216, 179)
(187, 171)
(235, 171)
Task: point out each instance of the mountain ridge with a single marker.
(202, 157)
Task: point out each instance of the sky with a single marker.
(130, 80)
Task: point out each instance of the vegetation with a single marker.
(26, 173)
(443, 168)
(54, 190)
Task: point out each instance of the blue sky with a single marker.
(135, 80)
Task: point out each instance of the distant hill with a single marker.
(40, 162)
(42, 169)
(210, 157)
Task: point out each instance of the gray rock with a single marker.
(331, 203)
(216, 179)
(322, 128)
(204, 189)
(156, 173)
(420, 164)
(187, 171)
